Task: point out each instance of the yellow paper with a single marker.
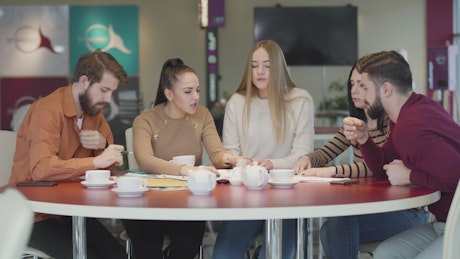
(165, 182)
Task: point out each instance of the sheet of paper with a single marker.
(175, 177)
(165, 182)
(224, 173)
(145, 175)
(162, 182)
(316, 178)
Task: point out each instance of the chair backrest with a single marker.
(8, 141)
(132, 164)
(16, 220)
(451, 249)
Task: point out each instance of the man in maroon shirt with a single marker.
(423, 148)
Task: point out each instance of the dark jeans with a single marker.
(54, 237)
(341, 236)
(147, 238)
(236, 236)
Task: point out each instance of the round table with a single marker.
(227, 202)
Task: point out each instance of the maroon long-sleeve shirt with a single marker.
(427, 140)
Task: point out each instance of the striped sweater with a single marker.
(339, 144)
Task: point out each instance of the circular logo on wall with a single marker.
(441, 59)
(98, 36)
(27, 39)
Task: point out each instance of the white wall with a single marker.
(169, 28)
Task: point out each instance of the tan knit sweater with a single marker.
(157, 138)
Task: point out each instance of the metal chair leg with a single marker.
(128, 245)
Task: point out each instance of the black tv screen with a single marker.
(310, 35)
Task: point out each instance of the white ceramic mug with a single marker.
(97, 176)
(184, 160)
(282, 175)
(237, 176)
(131, 183)
(201, 181)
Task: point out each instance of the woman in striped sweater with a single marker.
(314, 163)
(341, 236)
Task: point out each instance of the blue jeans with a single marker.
(341, 236)
(235, 238)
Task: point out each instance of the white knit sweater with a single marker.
(260, 141)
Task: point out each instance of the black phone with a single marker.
(40, 183)
(345, 181)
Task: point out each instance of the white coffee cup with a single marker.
(184, 160)
(131, 183)
(201, 181)
(282, 175)
(97, 176)
(237, 176)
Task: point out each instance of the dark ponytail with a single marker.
(171, 69)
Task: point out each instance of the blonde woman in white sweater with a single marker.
(269, 120)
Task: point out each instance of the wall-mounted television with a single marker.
(310, 35)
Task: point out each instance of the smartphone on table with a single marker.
(345, 181)
(39, 183)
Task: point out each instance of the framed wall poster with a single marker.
(103, 29)
(17, 94)
(34, 40)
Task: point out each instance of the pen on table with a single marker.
(135, 172)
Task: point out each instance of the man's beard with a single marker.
(376, 110)
(85, 104)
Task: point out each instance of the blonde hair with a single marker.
(279, 84)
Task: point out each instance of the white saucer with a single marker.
(201, 193)
(255, 188)
(98, 185)
(284, 185)
(236, 182)
(130, 193)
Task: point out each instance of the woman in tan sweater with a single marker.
(175, 126)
